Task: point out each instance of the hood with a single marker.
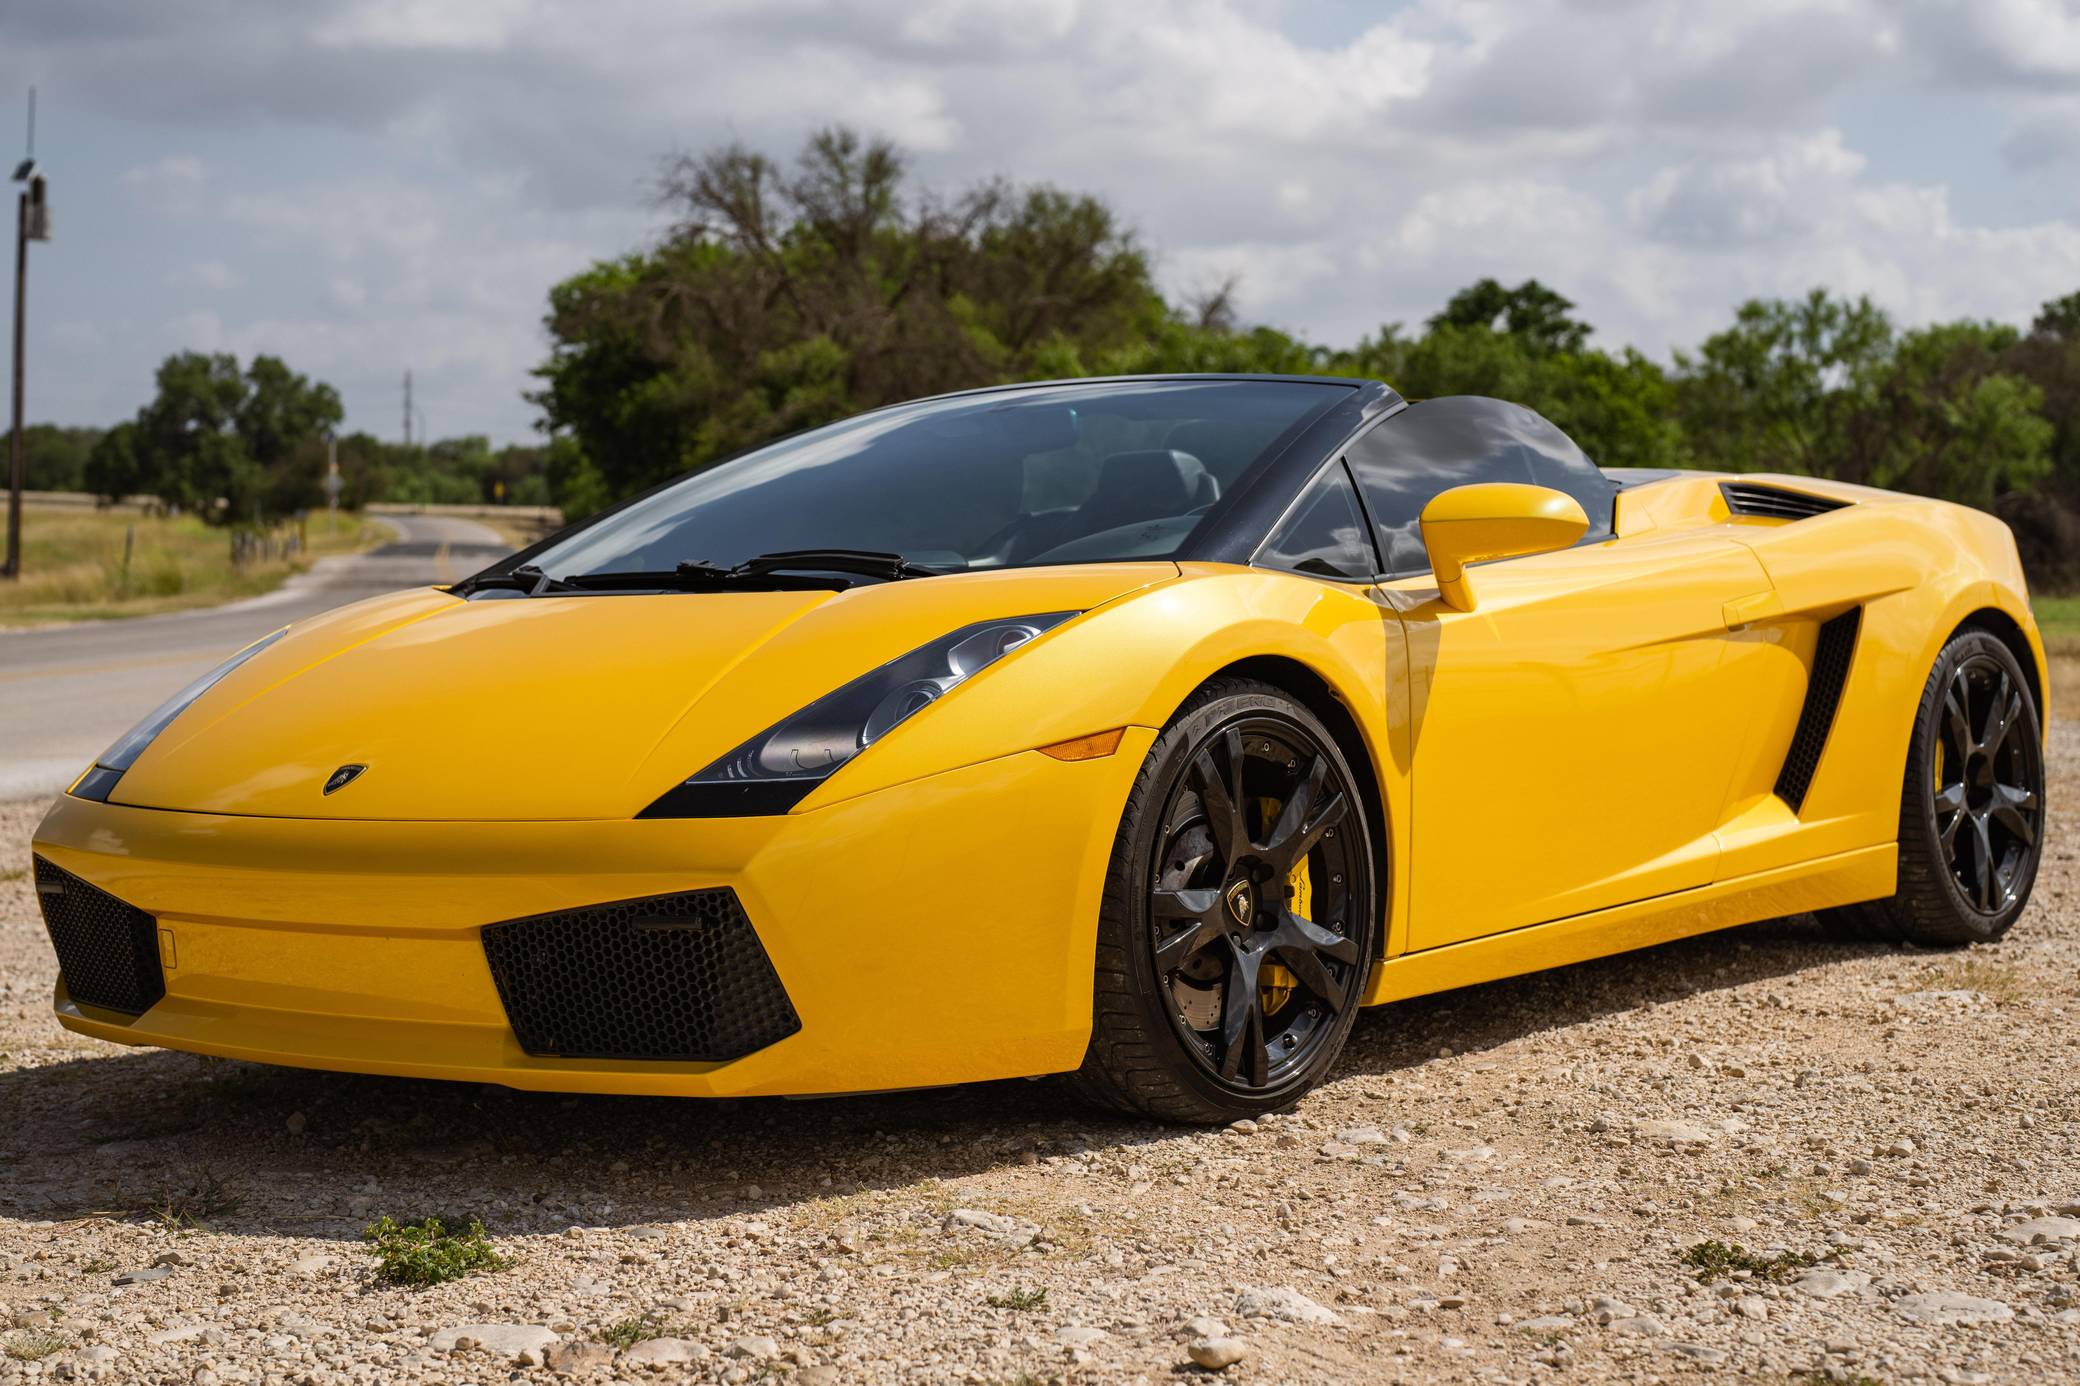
(550, 707)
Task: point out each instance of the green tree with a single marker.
(1534, 314)
(187, 438)
(283, 412)
(1783, 388)
(234, 446)
(788, 298)
(55, 458)
(112, 470)
(2049, 358)
(1825, 386)
(1948, 419)
(1618, 408)
(2059, 318)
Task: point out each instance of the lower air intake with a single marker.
(679, 977)
(108, 951)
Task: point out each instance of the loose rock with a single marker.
(1283, 1303)
(1217, 1354)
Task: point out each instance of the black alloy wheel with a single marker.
(1971, 817)
(1987, 785)
(1240, 914)
(1251, 979)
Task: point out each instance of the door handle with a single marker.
(1743, 612)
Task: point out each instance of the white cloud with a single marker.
(460, 25)
(392, 182)
(213, 275)
(1773, 197)
(170, 185)
(1998, 41)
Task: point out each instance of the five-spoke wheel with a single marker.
(1240, 915)
(1988, 783)
(1971, 823)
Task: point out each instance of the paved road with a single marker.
(66, 693)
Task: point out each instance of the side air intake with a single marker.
(1774, 502)
(1831, 656)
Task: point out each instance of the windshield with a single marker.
(1065, 474)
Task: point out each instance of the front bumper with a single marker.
(940, 931)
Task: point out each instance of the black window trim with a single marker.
(1335, 459)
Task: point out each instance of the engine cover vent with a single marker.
(1774, 502)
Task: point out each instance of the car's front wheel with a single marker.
(1238, 924)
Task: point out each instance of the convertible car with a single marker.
(1140, 730)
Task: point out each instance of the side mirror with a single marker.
(1494, 519)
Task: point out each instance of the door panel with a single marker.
(1576, 736)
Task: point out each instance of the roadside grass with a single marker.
(1019, 1299)
(1719, 1261)
(33, 1344)
(73, 568)
(196, 1202)
(427, 1253)
(1772, 1189)
(626, 1333)
(2058, 619)
(1999, 983)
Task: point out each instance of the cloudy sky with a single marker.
(364, 186)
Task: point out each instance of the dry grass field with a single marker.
(74, 569)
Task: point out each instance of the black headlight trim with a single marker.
(744, 799)
(845, 722)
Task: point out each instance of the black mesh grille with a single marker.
(668, 977)
(1823, 692)
(1774, 502)
(108, 951)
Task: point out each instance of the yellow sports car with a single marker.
(1140, 730)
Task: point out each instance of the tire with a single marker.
(1971, 814)
(1199, 898)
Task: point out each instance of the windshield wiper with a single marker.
(787, 570)
(889, 567)
(526, 579)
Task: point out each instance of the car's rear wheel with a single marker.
(1971, 827)
(1237, 929)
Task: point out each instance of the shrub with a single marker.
(427, 1253)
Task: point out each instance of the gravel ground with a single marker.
(1500, 1185)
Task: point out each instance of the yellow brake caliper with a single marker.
(1275, 984)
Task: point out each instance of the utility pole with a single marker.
(32, 223)
(407, 408)
(332, 482)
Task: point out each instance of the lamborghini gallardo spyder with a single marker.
(1140, 730)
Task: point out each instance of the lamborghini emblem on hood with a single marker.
(344, 776)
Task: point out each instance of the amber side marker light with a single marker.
(1085, 747)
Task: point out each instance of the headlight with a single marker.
(776, 769)
(102, 776)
